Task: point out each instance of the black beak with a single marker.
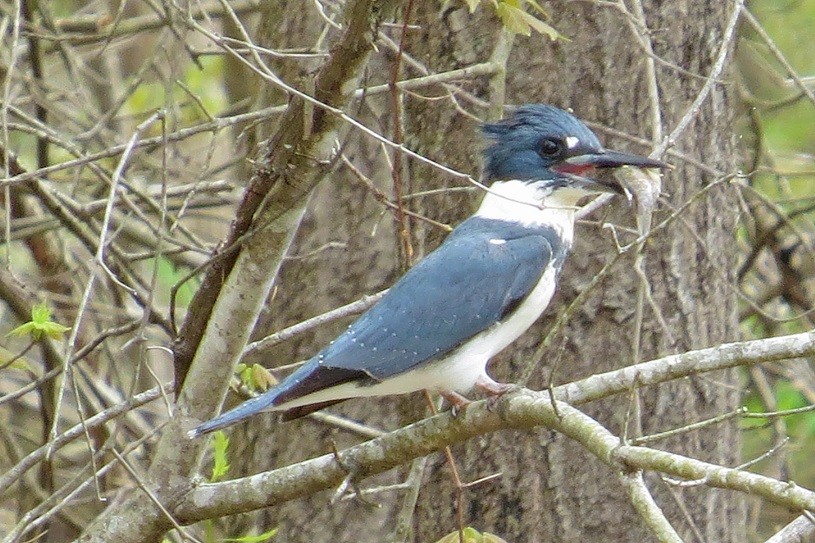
(613, 159)
(579, 168)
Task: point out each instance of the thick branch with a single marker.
(433, 434)
(728, 355)
(298, 157)
(646, 506)
(525, 410)
(800, 529)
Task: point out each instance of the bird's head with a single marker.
(550, 148)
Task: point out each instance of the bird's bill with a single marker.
(614, 159)
(579, 168)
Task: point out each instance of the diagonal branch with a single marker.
(293, 162)
(227, 305)
(524, 410)
(521, 411)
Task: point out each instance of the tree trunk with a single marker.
(550, 489)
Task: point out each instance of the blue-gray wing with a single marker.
(481, 273)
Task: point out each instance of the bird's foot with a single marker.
(349, 482)
(457, 401)
(494, 390)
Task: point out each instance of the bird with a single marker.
(487, 283)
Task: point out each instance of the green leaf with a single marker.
(472, 4)
(515, 19)
(262, 378)
(244, 374)
(255, 377)
(40, 324)
(511, 20)
(260, 538)
(540, 26)
(220, 465)
(471, 535)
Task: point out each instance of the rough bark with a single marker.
(550, 488)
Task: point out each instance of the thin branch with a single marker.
(780, 57)
(60, 498)
(14, 474)
(150, 494)
(715, 72)
(644, 503)
(147, 143)
(100, 261)
(257, 348)
(727, 355)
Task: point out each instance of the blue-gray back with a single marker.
(486, 268)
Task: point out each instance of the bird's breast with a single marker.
(496, 338)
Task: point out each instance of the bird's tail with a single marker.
(244, 410)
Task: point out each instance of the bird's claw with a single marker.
(496, 391)
(349, 482)
(457, 402)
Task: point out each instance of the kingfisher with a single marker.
(440, 324)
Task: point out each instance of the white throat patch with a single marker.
(523, 202)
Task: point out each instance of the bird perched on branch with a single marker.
(493, 276)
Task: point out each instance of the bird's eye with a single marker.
(550, 147)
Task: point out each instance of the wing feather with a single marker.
(449, 297)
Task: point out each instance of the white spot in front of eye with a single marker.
(498, 241)
(571, 142)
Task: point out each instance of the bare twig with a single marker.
(644, 503)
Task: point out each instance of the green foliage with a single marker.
(260, 538)
(515, 18)
(786, 126)
(790, 129)
(761, 433)
(169, 275)
(220, 462)
(40, 325)
(151, 96)
(471, 535)
(779, 133)
(255, 377)
(790, 397)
